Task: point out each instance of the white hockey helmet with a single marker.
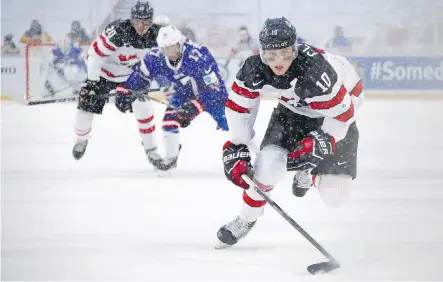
(170, 41)
(169, 35)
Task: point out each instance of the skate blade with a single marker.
(163, 173)
(220, 245)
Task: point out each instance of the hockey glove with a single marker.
(311, 151)
(186, 112)
(89, 88)
(237, 161)
(124, 99)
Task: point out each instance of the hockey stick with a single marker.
(59, 100)
(68, 99)
(159, 101)
(316, 268)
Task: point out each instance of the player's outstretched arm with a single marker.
(138, 80)
(243, 104)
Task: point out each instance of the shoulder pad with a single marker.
(117, 30)
(252, 72)
(154, 51)
(318, 77)
(120, 25)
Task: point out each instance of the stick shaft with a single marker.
(287, 217)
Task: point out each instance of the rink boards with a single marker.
(383, 77)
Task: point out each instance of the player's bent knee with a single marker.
(334, 190)
(84, 117)
(142, 107)
(270, 165)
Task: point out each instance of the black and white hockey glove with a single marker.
(237, 161)
(311, 151)
(124, 99)
(89, 88)
(91, 94)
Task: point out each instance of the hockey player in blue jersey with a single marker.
(68, 53)
(65, 68)
(196, 80)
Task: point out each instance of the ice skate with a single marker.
(164, 166)
(153, 156)
(229, 234)
(302, 183)
(79, 149)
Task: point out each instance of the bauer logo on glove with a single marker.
(311, 151)
(236, 155)
(324, 145)
(237, 161)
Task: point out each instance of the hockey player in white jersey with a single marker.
(110, 60)
(312, 131)
(245, 47)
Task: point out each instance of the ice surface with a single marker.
(108, 217)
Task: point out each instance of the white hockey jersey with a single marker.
(317, 84)
(113, 54)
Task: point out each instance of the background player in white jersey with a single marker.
(245, 47)
(312, 130)
(110, 60)
(197, 85)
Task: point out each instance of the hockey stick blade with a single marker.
(323, 267)
(317, 268)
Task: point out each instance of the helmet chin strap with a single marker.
(180, 56)
(176, 62)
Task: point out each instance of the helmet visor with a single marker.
(172, 52)
(279, 55)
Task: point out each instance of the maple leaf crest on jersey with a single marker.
(119, 47)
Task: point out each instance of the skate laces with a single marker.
(239, 227)
(303, 179)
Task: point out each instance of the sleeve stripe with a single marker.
(110, 74)
(331, 103)
(321, 51)
(244, 92)
(237, 108)
(106, 44)
(198, 105)
(344, 117)
(97, 50)
(357, 89)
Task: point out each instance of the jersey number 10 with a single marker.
(325, 83)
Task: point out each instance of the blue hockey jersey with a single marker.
(195, 76)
